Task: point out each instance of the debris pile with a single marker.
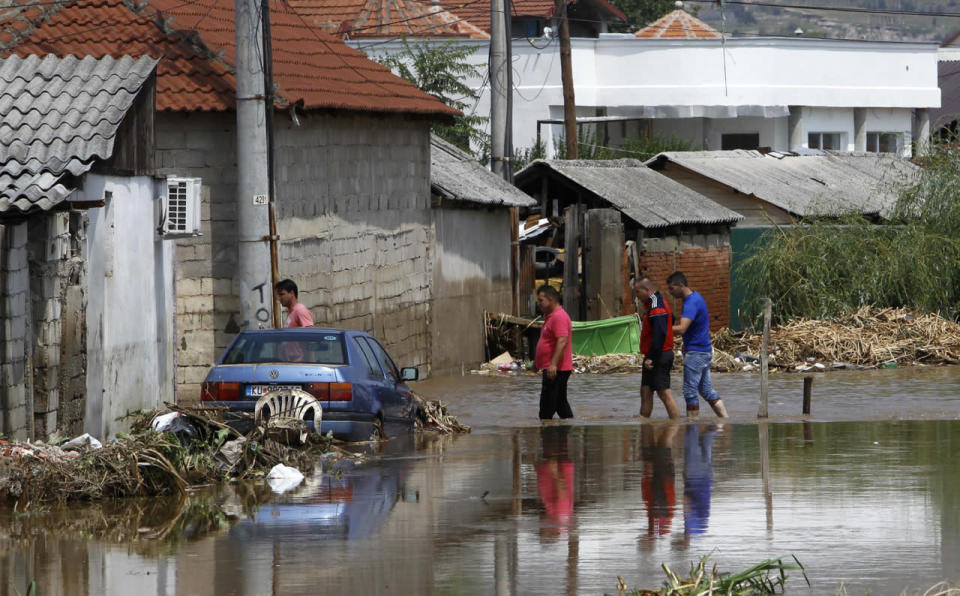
(866, 338)
(432, 415)
(191, 446)
(608, 364)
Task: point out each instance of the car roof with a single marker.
(303, 330)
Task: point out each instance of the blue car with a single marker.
(359, 387)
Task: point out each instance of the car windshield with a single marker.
(295, 347)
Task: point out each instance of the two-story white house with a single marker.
(679, 77)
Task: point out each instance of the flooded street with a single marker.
(515, 508)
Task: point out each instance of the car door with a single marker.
(383, 386)
(401, 398)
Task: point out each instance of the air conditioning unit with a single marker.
(180, 207)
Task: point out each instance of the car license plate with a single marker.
(261, 390)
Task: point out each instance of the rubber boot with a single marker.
(719, 409)
(692, 412)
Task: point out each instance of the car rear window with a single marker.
(292, 347)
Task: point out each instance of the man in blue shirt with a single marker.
(697, 350)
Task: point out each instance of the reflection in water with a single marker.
(658, 477)
(555, 479)
(697, 476)
(556, 509)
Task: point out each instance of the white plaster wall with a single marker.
(772, 131)
(616, 71)
(829, 120)
(891, 120)
(130, 308)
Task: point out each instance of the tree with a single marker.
(441, 70)
(641, 13)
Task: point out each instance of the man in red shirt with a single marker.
(298, 315)
(554, 355)
(656, 343)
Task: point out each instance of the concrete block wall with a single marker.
(15, 382)
(353, 218)
(354, 221)
(202, 145)
(707, 271)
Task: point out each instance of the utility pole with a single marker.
(566, 78)
(501, 91)
(252, 280)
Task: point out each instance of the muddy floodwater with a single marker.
(865, 493)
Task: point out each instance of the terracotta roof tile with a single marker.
(478, 11)
(678, 24)
(386, 18)
(195, 41)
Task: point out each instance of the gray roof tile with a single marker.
(456, 175)
(817, 183)
(57, 117)
(645, 196)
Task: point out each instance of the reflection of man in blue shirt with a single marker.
(697, 477)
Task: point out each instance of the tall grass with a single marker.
(821, 268)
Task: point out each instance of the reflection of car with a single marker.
(349, 372)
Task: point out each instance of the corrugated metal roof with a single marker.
(58, 116)
(826, 184)
(456, 175)
(678, 24)
(196, 41)
(645, 196)
(358, 19)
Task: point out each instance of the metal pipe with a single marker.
(271, 182)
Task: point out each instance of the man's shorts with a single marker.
(658, 377)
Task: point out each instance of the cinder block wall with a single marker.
(354, 221)
(15, 383)
(353, 218)
(705, 262)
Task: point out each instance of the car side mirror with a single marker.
(410, 373)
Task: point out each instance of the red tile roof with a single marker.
(478, 11)
(386, 18)
(195, 41)
(678, 24)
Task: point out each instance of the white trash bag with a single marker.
(84, 441)
(283, 478)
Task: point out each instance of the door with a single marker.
(400, 396)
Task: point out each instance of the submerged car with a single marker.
(356, 382)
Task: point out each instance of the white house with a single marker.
(679, 78)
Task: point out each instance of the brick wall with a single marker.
(352, 215)
(707, 271)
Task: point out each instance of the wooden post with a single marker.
(566, 80)
(807, 390)
(764, 359)
(764, 438)
(571, 273)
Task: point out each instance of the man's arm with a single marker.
(682, 327)
(659, 335)
(562, 342)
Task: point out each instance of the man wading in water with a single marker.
(697, 349)
(656, 343)
(554, 355)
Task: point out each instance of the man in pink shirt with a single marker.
(554, 355)
(298, 315)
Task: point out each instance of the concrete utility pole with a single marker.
(566, 78)
(501, 89)
(252, 278)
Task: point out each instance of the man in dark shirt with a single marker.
(656, 343)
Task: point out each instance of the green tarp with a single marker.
(619, 335)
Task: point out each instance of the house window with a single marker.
(883, 142)
(740, 141)
(830, 141)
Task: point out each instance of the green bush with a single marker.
(821, 268)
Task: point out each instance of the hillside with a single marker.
(744, 20)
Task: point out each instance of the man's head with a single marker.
(643, 288)
(677, 284)
(287, 293)
(547, 299)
